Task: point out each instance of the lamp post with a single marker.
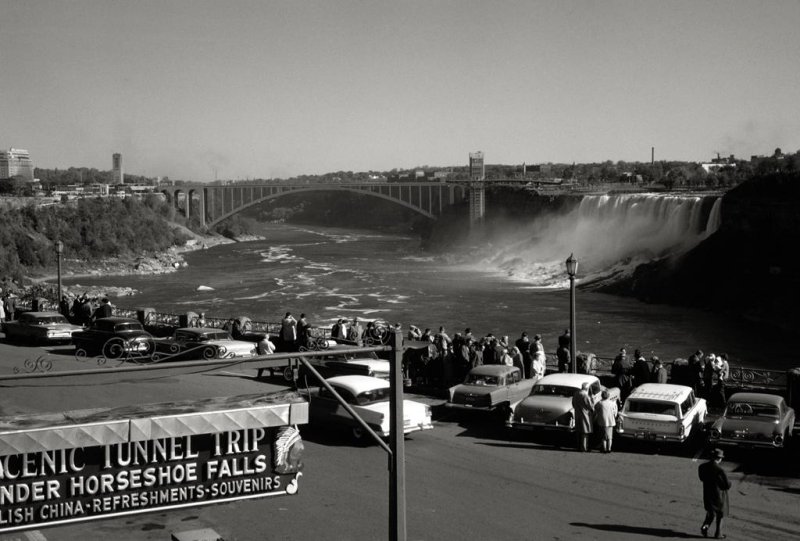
(59, 251)
(572, 270)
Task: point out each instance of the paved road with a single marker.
(466, 479)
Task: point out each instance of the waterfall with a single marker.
(609, 234)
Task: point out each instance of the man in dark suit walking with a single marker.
(715, 492)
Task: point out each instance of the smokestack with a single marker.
(652, 155)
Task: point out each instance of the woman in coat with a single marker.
(583, 405)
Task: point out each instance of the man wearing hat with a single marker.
(715, 492)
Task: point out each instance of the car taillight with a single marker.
(682, 431)
(427, 410)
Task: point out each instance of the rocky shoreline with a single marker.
(143, 264)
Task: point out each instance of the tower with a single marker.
(477, 176)
(116, 168)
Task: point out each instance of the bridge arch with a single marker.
(381, 191)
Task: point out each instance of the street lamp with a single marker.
(572, 270)
(59, 251)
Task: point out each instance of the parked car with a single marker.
(549, 405)
(753, 420)
(113, 337)
(40, 327)
(661, 411)
(202, 343)
(339, 364)
(369, 397)
(491, 387)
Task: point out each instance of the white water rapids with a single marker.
(609, 235)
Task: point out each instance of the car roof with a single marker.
(493, 370)
(763, 398)
(661, 391)
(117, 319)
(41, 314)
(569, 380)
(372, 363)
(358, 384)
(200, 330)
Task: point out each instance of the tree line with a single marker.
(90, 229)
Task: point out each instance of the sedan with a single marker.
(202, 343)
(549, 405)
(369, 398)
(491, 387)
(114, 338)
(754, 420)
(40, 327)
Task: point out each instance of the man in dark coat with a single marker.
(715, 492)
(104, 310)
(641, 370)
(523, 343)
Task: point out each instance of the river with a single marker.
(328, 273)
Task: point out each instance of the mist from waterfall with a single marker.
(609, 235)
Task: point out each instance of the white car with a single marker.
(549, 405)
(661, 411)
(369, 397)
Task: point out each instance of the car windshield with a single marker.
(554, 390)
(50, 320)
(750, 409)
(192, 337)
(375, 395)
(128, 327)
(477, 379)
(650, 406)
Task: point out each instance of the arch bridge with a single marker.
(215, 203)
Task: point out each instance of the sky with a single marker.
(232, 89)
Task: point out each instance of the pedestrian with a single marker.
(518, 360)
(605, 412)
(523, 344)
(104, 310)
(506, 359)
(265, 347)
(564, 359)
(641, 370)
(659, 374)
(621, 368)
(289, 331)
(539, 359)
(201, 320)
(2, 312)
(583, 405)
(696, 372)
(64, 306)
(564, 339)
(356, 332)
(715, 492)
(414, 333)
(303, 329)
(10, 305)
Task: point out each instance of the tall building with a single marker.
(116, 168)
(16, 162)
(477, 170)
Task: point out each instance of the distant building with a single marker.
(718, 163)
(16, 162)
(477, 169)
(116, 168)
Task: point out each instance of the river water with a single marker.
(329, 273)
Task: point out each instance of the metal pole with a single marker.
(397, 482)
(572, 341)
(58, 259)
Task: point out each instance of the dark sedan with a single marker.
(754, 420)
(113, 337)
(202, 343)
(40, 327)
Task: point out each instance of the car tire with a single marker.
(358, 433)
(288, 373)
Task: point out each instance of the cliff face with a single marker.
(749, 267)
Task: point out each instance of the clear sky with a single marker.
(258, 89)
